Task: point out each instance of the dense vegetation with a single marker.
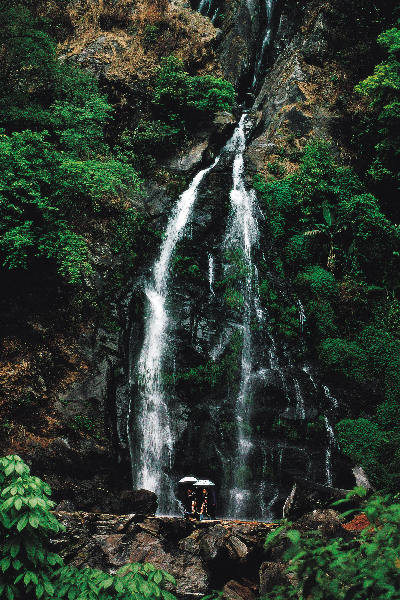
(352, 568)
(56, 165)
(337, 237)
(29, 568)
(56, 168)
(74, 224)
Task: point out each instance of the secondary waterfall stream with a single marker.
(242, 234)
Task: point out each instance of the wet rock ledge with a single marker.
(202, 556)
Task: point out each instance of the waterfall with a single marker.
(266, 40)
(151, 453)
(302, 316)
(284, 394)
(204, 7)
(300, 408)
(211, 273)
(328, 453)
(328, 396)
(242, 234)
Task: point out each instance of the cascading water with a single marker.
(242, 234)
(211, 273)
(151, 452)
(328, 455)
(266, 40)
(253, 419)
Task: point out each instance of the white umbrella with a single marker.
(204, 483)
(188, 480)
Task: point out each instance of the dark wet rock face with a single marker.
(205, 145)
(92, 496)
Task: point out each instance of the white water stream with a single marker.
(242, 234)
(211, 274)
(328, 452)
(266, 39)
(152, 451)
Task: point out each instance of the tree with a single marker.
(382, 88)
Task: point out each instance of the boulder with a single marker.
(212, 541)
(233, 590)
(94, 497)
(361, 478)
(140, 502)
(271, 574)
(237, 548)
(325, 521)
(202, 556)
(307, 496)
(205, 146)
(190, 159)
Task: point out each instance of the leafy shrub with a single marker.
(297, 252)
(343, 356)
(26, 523)
(360, 569)
(30, 570)
(322, 316)
(318, 282)
(178, 92)
(366, 443)
(360, 439)
(152, 137)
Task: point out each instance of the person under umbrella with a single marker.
(187, 495)
(206, 499)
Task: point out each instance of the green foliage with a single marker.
(212, 373)
(28, 569)
(132, 582)
(341, 249)
(233, 298)
(360, 569)
(26, 523)
(360, 439)
(383, 90)
(83, 423)
(55, 167)
(152, 137)
(316, 281)
(374, 446)
(343, 356)
(178, 93)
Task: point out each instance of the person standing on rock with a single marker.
(206, 498)
(203, 512)
(212, 502)
(190, 503)
(187, 495)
